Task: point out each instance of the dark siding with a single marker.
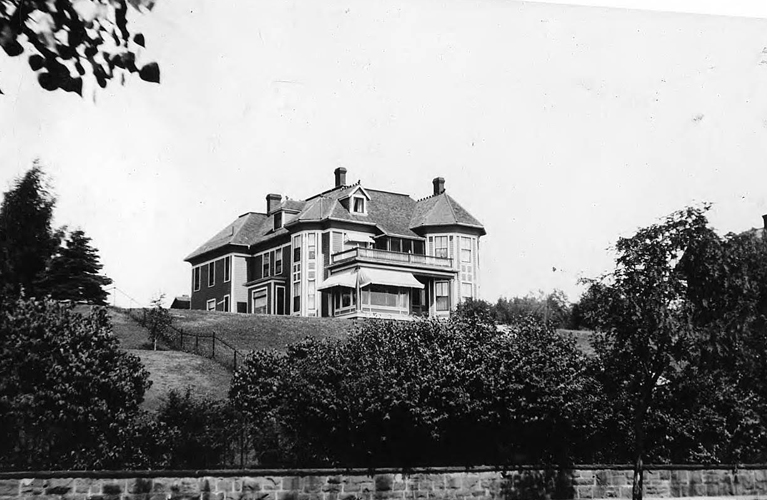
(325, 255)
(257, 268)
(217, 291)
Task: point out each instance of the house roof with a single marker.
(392, 214)
(442, 210)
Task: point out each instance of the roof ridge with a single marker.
(427, 197)
(450, 204)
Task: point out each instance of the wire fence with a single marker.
(208, 345)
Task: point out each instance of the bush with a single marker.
(69, 397)
(427, 392)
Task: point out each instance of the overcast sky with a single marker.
(560, 127)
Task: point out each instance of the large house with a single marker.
(350, 251)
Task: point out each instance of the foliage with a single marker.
(27, 239)
(157, 320)
(200, 431)
(32, 260)
(73, 273)
(72, 39)
(552, 307)
(420, 393)
(69, 397)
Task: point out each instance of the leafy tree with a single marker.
(200, 431)
(69, 397)
(73, 273)
(71, 39)
(27, 239)
(553, 307)
(644, 329)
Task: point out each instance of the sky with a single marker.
(559, 127)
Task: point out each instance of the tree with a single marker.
(69, 396)
(643, 322)
(72, 39)
(73, 273)
(27, 240)
(553, 307)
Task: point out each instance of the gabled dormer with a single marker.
(356, 201)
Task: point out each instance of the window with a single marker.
(395, 245)
(442, 293)
(358, 205)
(467, 291)
(297, 248)
(465, 249)
(211, 274)
(310, 297)
(226, 303)
(265, 261)
(337, 242)
(280, 306)
(311, 246)
(277, 220)
(440, 246)
(259, 301)
(227, 269)
(296, 299)
(210, 305)
(344, 299)
(278, 262)
(385, 296)
(196, 278)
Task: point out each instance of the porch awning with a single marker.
(388, 277)
(344, 278)
(360, 238)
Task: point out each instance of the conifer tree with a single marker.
(74, 272)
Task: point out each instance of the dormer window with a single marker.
(358, 205)
(277, 220)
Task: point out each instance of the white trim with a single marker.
(227, 296)
(213, 266)
(253, 299)
(284, 299)
(207, 305)
(229, 267)
(222, 256)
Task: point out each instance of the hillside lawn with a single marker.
(250, 332)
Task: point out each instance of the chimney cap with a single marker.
(340, 174)
(439, 185)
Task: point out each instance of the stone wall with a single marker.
(441, 484)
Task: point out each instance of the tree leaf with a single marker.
(150, 73)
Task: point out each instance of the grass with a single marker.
(179, 370)
(248, 332)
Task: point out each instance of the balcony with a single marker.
(396, 258)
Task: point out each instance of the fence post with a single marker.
(235, 359)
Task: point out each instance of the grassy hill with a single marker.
(247, 332)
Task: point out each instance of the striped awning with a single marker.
(347, 279)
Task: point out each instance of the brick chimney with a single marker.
(340, 176)
(439, 185)
(272, 202)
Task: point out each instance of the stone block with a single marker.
(357, 484)
(157, 496)
(31, 486)
(599, 491)
(287, 495)
(388, 495)
(111, 489)
(262, 495)
(139, 485)
(626, 491)
(232, 495)
(212, 495)
(584, 478)
(602, 478)
(383, 482)
(471, 481)
(250, 484)
(136, 496)
(619, 478)
(313, 484)
(162, 484)
(348, 496)
(291, 483)
(712, 489)
(612, 492)
(679, 477)
(584, 491)
(744, 479)
(224, 484)
(10, 487)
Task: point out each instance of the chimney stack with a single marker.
(439, 185)
(340, 176)
(272, 202)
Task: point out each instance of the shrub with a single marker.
(69, 397)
